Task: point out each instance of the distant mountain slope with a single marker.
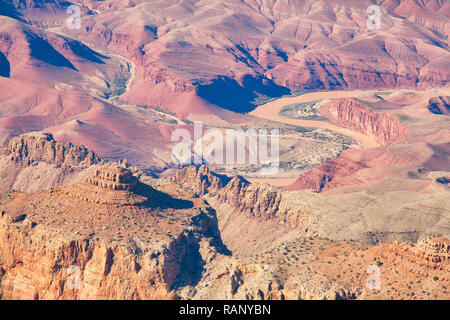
(232, 52)
(194, 59)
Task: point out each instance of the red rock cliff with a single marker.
(352, 114)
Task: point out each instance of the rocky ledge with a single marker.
(35, 161)
(114, 178)
(255, 200)
(431, 252)
(42, 147)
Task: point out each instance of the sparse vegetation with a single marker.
(119, 83)
(304, 111)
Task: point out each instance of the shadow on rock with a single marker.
(227, 93)
(161, 200)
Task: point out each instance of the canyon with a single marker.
(190, 61)
(92, 205)
(176, 237)
(406, 151)
(162, 241)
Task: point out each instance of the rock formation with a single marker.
(80, 242)
(352, 114)
(430, 252)
(43, 234)
(75, 227)
(244, 209)
(123, 239)
(114, 178)
(406, 269)
(323, 177)
(36, 161)
(261, 201)
(411, 147)
(201, 179)
(434, 250)
(36, 147)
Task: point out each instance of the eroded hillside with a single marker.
(201, 235)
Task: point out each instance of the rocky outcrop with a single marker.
(434, 250)
(257, 215)
(34, 147)
(250, 217)
(249, 281)
(430, 252)
(359, 167)
(112, 185)
(36, 161)
(255, 200)
(403, 161)
(114, 178)
(356, 168)
(201, 179)
(55, 268)
(352, 114)
(252, 199)
(56, 245)
(323, 177)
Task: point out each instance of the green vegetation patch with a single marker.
(303, 111)
(118, 85)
